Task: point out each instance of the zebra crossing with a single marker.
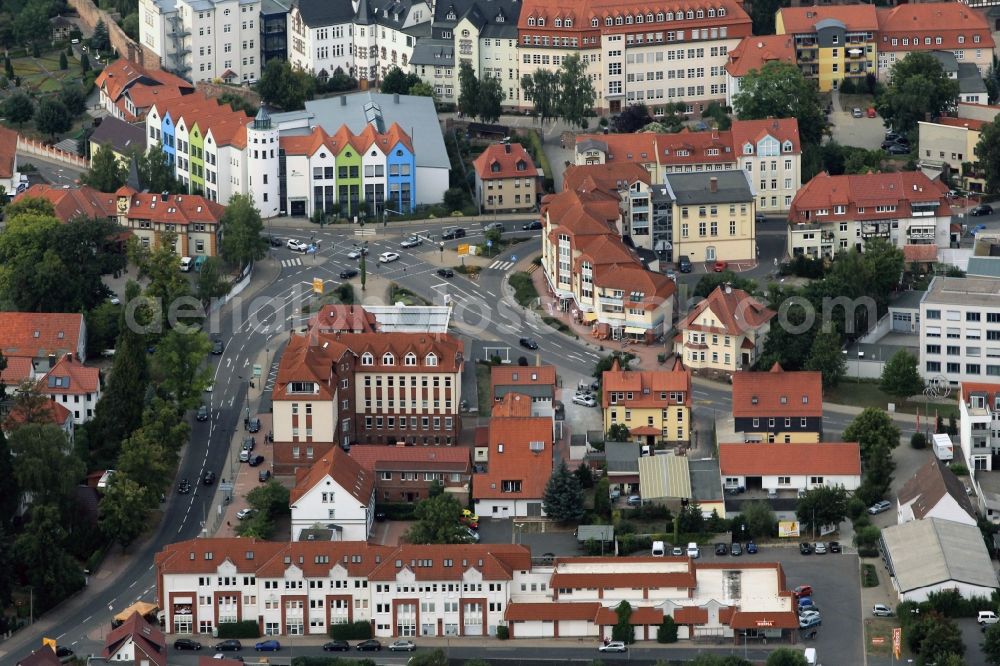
(288, 263)
(501, 265)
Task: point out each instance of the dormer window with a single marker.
(558, 22)
(500, 17)
(711, 13)
(410, 359)
(541, 21)
(495, 167)
(531, 20)
(690, 14)
(608, 21)
(639, 18)
(521, 166)
(722, 11)
(786, 147)
(784, 399)
(700, 14)
(568, 23)
(628, 20)
(670, 16)
(594, 23)
(619, 20)
(388, 359)
(649, 17)
(431, 360)
(367, 359)
(748, 148)
(659, 17)
(451, 16)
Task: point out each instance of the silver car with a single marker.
(402, 646)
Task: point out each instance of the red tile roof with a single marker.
(899, 189)
(335, 317)
(148, 641)
(551, 612)
(608, 177)
(38, 334)
(345, 471)
(641, 615)
(508, 160)
(82, 201)
(773, 620)
(803, 20)
(991, 390)
(451, 561)
(752, 131)
(143, 96)
(736, 19)
(778, 393)
(516, 462)
(180, 209)
(646, 386)
(49, 411)
(737, 311)
(632, 278)
(19, 369)
(827, 458)
(945, 20)
(755, 52)
(967, 123)
(117, 77)
(8, 152)
(308, 144)
(43, 656)
(70, 377)
(522, 375)
(920, 253)
(512, 405)
(684, 147)
(376, 458)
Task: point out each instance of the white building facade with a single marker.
(960, 330)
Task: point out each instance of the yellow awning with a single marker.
(141, 607)
(635, 330)
(589, 316)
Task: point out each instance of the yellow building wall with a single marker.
(785, 437)
(728, 247)
(678, 416)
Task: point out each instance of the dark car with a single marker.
(446, 272)
(65, 655)
(981, 209)
(902, 140)
(184, 487)
(735, 549)
(209, 478)
(528, 343)
(684, 264)
(721, 549)
(269, 645)
(275, 241)
(217, 346)
(751, 548)
(457, 232)
(891, 136)
(805, 548)
(254, 425)
(898, 149)
(186, 644)
(255, 460)
(370, 645)
(249, 443)
(348, 273)
(229, 645)
(834, 547)
(202, 414)
(532, 226)
(336, 646)
(264, 475)
(888, 144)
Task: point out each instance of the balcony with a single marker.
(856, 54)
(827, 238)
(979, 444)
(875, 229)
(805, 56)
(809, 70)
(805, 42)
(920, 234)
(610, 300)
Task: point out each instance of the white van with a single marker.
(693, 551)
(186, 263)
(659, 550)
(810, 655)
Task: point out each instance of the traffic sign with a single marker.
(489, 242)
(317, 285)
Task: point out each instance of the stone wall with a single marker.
(122, 43)
(216, 90)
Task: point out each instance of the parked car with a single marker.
(735, 549)
(719, 266)
(446, 272)
(402, 646)
(184, 487)
(244, 456)
(254, 460)
(891, 136)
(760, 218)
(802, 591)
(452, 233)
(584, 400)
(228, 645)
(357, 252)
(806, 603)
(412, 241)
(66, 655)
(613, 646)
(751, 548)
(819, 548)
(805, 549)
(249, 443)
(269, 645)
(209, 478)
(897, 149)
(494, 225)
(879, 507)
(336, 646)
(693, 551)
(348, 273)
(186, 644)
(857, 112)
(834, 547)
(253, 426)
(721, 549)
(813, 621)
(202, 414)
(264, 475)
(274, 241)
(634, 500)
(528, 343)
(808, 613)
(370, 645)
(684, 264)
(534, 225)
(296, 246)
(217, 346)
(677, 551)
(470, 535)
(243, 514)
(881, 610)
(987, 617)
(981, 209)
(871, 112)
(388, 257)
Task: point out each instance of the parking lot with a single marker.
(861, 132)
(559, 543)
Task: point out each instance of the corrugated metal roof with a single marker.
(933, 551)
(663, 476)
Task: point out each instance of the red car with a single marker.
(720, 266)
(871, 112)
(468, 522)
(802, 591)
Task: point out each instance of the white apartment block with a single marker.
(960, 330)
(979, 424)
(202, 40)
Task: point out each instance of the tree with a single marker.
(991, 645)
(623, 629)
(759, 519)
(826, 357)
(238, 102)
(177, 366)
(147, 461)
(242, 240)
(454, 198)
(918, 440)
(987, 153)
(422, 89)
(584, 475)
(212, 281)
(491, 96)
(563, 499)
(541, 87)
(667, 631)
(106, 173)
(690, 519)
(130, 24)
(399, 82)
(941, 639)
(874, 430)
(468, 90)
(900, 376)
(822, 505)
(786, 657)
(607, 362)
(18, 108)
(576, 91)
(74, 99)
(100, 41)
(632, 119)
(618, 432)
(438, 521)
(270, 499)
(41, 551)
(125, 510)
(779, 90)
(720, 114)
(156, 174)
(283, 86)
(711, 281)
(84, 63)
(918, 88)
(52, 118)
(602, 498)
(44, 467)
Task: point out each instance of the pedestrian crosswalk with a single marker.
(288, 263)
(501, 265)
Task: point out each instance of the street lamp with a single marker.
(385, 215)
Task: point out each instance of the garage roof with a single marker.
(662, 476)
(932, 551)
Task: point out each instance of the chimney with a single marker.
(343, 100)
(69, 356)
(506, 148)
(538, 360)
(395, 98)
(713, 184)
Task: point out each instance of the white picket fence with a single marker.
(39, 149)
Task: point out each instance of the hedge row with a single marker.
(350, 631)
(396, 511)
(244, 629)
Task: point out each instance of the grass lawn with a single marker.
(483, 387)
(868, 394)
(524, 289)
(399, 294)
(878, 637)
(560, 326)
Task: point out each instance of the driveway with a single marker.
(850, 131)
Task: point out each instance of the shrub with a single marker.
(349, 631)
(244, 629)
(629, 544)
(855, 508)
(918, 440)
(869, 575)
(667, 633)
(503, 633)
(396, 511)
(958, 469)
